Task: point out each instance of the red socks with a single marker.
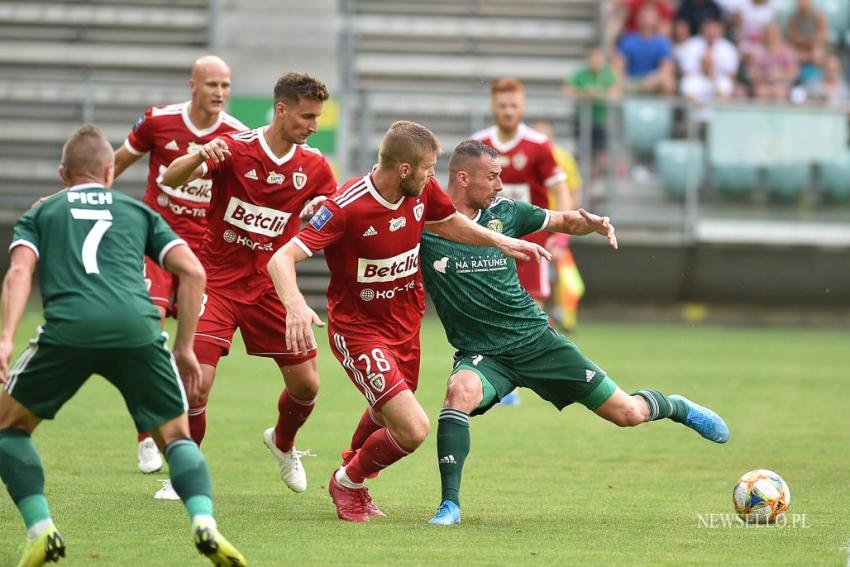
(292, 413)
(378, 452)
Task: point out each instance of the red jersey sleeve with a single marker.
(439, 206)
(550, 171)
(140, 139)
(327, 181)
(326, 227)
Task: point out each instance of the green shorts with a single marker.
(552, 366)
(46, 376)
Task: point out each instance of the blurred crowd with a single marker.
(709, 50)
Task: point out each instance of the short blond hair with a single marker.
(407, 142)
(86, 151)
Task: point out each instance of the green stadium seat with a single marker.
(735, 180)
(838, 15)
(835, 178)
(678, 163)
(646, 122)
(787, 180)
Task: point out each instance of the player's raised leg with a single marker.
(295, 404)
(651, 405)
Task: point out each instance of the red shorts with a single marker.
(162, 287)
(378, 369)
(534, 277)
(262, 324)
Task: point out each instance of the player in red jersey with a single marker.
(370, 232)
(167, 132)
(265, 179)
(529, 173)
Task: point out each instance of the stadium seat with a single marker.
(838, 15)
(835, 178)
(736, 180)
(787, 180)
(646, 122)
(679, 162)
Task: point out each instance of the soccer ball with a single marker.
(761, 496)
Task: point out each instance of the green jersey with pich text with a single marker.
(91, 244)
(475, 289)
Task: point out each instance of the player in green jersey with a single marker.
(89, 244)
(504, 339)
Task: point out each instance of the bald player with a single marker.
(168, 132)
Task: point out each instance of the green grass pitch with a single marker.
(541, 488)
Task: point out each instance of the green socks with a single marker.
(660, 406)
(190, 477)
(452, 448)
(23, 475)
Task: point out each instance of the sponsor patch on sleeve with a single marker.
(321, 218)
(138, 123)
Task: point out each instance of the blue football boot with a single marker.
(447, 514)
(704, 421)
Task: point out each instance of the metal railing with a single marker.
(671, 167)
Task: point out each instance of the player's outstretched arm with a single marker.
(183, 263)
(124, 159)
(299, 317)
(187, 168)
(460, 229)
(580, 223)
(16, 290)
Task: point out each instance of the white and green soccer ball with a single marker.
(761, 496)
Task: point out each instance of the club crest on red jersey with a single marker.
(519, 161)
(299, 179)
(418, 210)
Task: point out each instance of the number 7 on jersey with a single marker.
(103, 220)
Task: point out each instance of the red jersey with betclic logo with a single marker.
(254, 210)
(372, 249)
(167, 132)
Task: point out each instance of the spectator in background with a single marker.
(832, 88)
(629, 9)
(681, 35)
(709, 63)
(807, 32)
(706, 86)
(751, 19)
(695, 12)
(592, 85)
(648, 57)
(773, 69)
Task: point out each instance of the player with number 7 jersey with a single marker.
(95, 297)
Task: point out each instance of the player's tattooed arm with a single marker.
(582, 222)
(187, 168)
(461, 229)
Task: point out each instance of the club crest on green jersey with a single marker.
(495, 225)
